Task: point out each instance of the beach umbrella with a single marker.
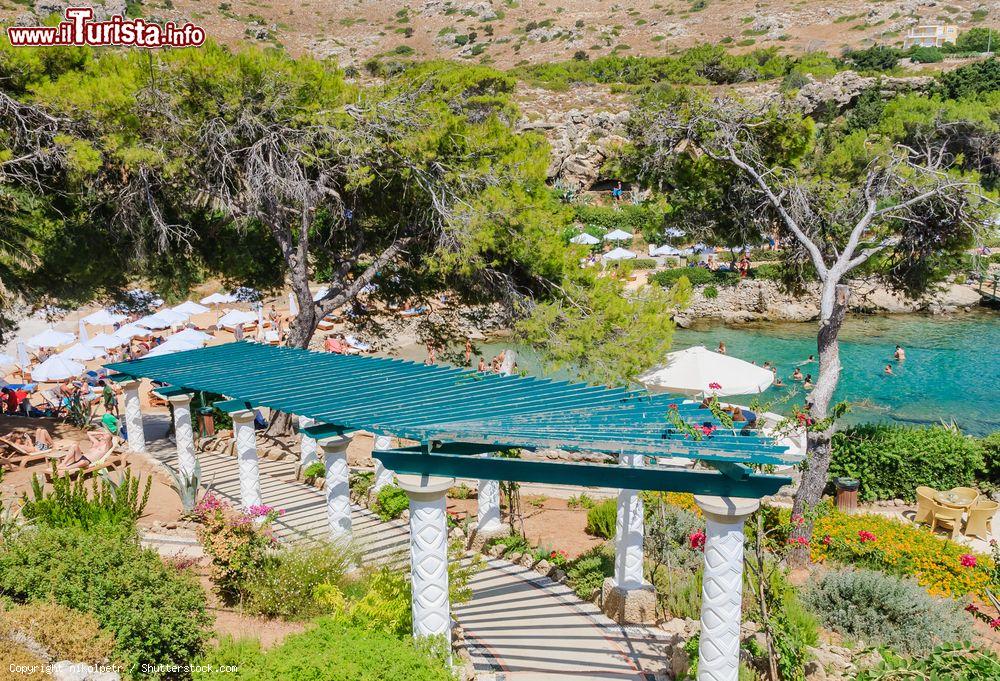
(189, 307)
(82, 351)
(50, 338)
(191, 335)
(666, 249)
(585, 240)
(57, 368)
(260, 322)
(173, 317)
(130, 331)
(141, 295)
(153, 321)
(7, 361)
(84, 336)
(321, 292)
(699, 372)
(218, 299)
(103, 318)
(617, 235)
(619, 254)
(673, 232)
(236, 318)
(293, 305)
(173, 345)
(106, 340)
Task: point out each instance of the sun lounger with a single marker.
(21, 458)
(110, 460)
(327, 323)
(356, 344)
(414, 311)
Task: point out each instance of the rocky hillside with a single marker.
(508, 32)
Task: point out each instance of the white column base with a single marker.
(722, 585)
(429, 554)
(246, 451)
(337, 486)
(187, 460)
(629, 533)
(383, 476)
(133, 416)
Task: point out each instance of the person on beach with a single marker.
(468, 351)
(888, 370)
(743, 266)
(722, 348)
(108, 397)
(482, 365)
(900, 354)
(100, 443)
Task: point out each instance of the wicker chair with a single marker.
(948, 517)
(980, 523)
(925, 504)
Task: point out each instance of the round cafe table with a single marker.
(953, 499)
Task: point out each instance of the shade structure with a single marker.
(237, 318)
(7, 360)
(585, 239)
(617, 235)
(321, 293)
(82, 351)
(173, 345)
(218, 298)
(153, 321)
(130, 331)
(172, 316)
(665, 249)
(438, 403)
(619, 254)
(673, 232)
(191, 335)
(50, 338)
(189, 307)
(293, 305)
(57, 368)
(699, 372)
(103, 318)
(106, 340)
(84, 336)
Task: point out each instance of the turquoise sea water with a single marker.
(951, 372)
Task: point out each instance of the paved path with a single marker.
(519, 625)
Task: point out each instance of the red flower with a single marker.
(972, 607)
(708, 430)
(673, 406)
(798, 519)
(697, 540)
(801, 417)
(865, 536)
(968, 560)
(995, 623)
(827, 540)
(798, 540)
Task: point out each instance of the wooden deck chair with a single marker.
(980, 523)
(947, 517)
(925, 505)
(108, 461)
(21, 458)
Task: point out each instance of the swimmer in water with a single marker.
(900, 354)
(721, 349)
(797, 374)
(808, 383)
(888, 370)
(778, 383)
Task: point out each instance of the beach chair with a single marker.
(21, 458)
(327, 323)
(947, 516)
(980, 523)
(110, 460)
(925, 505)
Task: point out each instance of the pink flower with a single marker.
(798, 540)
(714, 386)
(972, 607)
(968, 560)
(995, 623)
(865, 536)
(798, 519)
(708, 430)
(827, 540)
(697, 540)
(672, 406)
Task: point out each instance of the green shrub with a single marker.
(990, 479)
(361, 483)
(972, 79)
(582, 501)
(767, 270)
(156, 614)
(885, 610)
(314, 470)
(586, 573)
(236, 543)
(643, 264)
(601, 519)
(698, 276)
(390, 502)
(67, 634)
(950, 661)
(515, 543)
(332, 650)
(642, 218)
(285, 583)
(711, 292)
(925, 55)
(875, 58)
(678, 592)
(102, 501)
(890, 461)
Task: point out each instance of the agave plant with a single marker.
(187, 486)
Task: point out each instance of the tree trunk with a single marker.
(833, 309)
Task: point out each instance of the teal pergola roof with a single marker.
(431, 404)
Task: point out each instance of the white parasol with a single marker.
(700, 372)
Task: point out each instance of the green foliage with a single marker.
(601, 519)
(956, 662)
(285, 583)
(156, 614)
(586, 572)
(875, 58)
(978, 39)
(885, 610)
(333, 650)
(390, 502)
(925, 55)
(314, 470)
(645, 218)
(698, 276)
(237, 544)
(361, 483)
(990, 479)
(66, 634)
(70, 503)
(515, 543)
(978, 78)
(711, 292)
(584, 500)
(890, 461)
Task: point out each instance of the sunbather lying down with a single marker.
(40, 441)
(100, 444)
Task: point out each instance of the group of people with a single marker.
(900, 356)
(742, 265)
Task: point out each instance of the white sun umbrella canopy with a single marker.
(130, 331)
(585, 239)
(666, 249)
(103, 318)
(321, 292)
(57, 368)
(7, 361)
(153, 321)
(235, 318)
(191, 335)
(218, 299)
(174, 345)
(50, 338)
(619, 254)
(84, 336)
(189, 307)
(82, 351)
(174, 317)
(106, 340)
(617, 235)
(699, 372)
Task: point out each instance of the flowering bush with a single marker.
(697, 540)
(237, 542)
(943, 567)
(558, 557)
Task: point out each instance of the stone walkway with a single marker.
(519, 625)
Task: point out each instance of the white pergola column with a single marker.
(337, 486)
(133, 416)
(429, 554)
(307, 446)
(246, 451)
(184, 434)
(383, 476)
(627, 597)
(488, 520)
(722, 583)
